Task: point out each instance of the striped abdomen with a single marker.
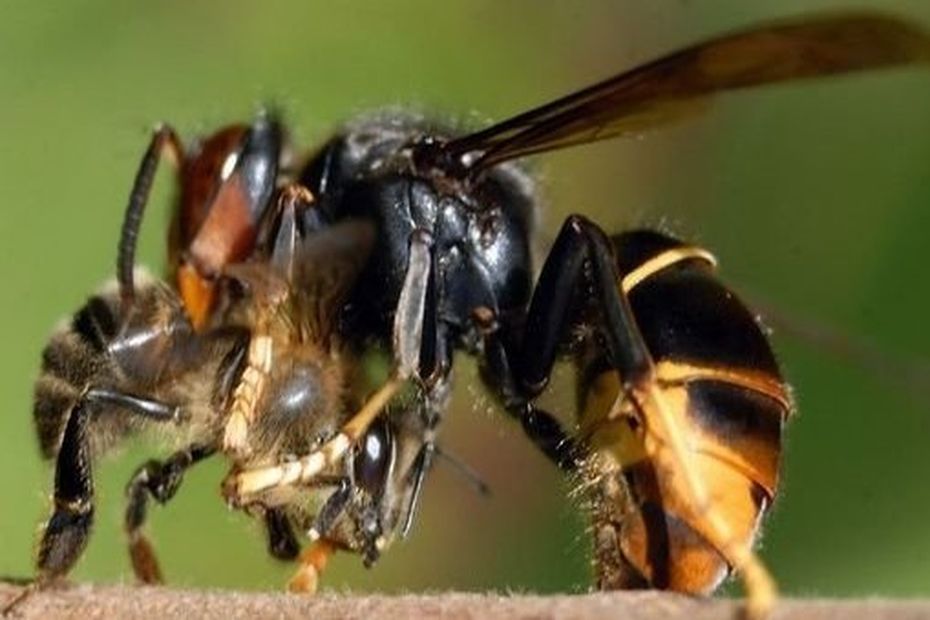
(719, 380)
(72, 358)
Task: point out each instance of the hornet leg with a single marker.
(540, 426)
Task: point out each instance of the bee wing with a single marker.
(327, 267)
(679, 84)
(263, 282)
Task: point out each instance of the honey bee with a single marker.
(270, 382)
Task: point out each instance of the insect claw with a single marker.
(180, 416)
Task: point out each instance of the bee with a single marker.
(133, 358)
(235, 203)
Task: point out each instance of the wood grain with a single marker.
(85, 602)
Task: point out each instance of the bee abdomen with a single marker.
(96, 322)
(70, 361)
(52, 403)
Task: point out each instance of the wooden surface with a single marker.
(111, 602)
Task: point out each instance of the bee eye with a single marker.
(373, 459)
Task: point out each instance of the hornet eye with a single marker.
(374, 458)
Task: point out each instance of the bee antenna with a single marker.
(164, 143)
(466, 471)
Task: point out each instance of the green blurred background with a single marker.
(814, 196)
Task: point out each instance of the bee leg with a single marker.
(582, 254)
(332, 509)
(232, 366)
(248, 390)
(66, 531)
(164, 143)
(304, 470)
(312, 562)
(230, 389)
(282, 542)
(160, 480)
(407, 333)
(29, 588)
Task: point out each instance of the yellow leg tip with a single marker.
(312, 562)
(144, 561)
(761, 595)
(759, 610)
(305, 581)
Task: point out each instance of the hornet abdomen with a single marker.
(720, 384)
